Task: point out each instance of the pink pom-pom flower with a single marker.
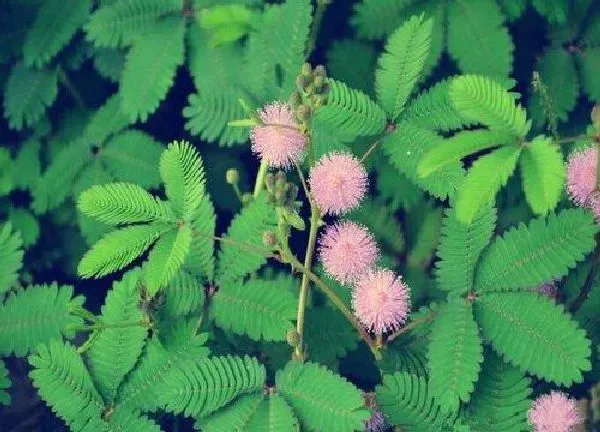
(554, 412)
(278, 141)
(581, 176)
(347, 250)
(381, 301)
(338, 183)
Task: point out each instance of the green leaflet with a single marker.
(161, 360)
(543, 172)
(118, 24)
(458, 147)
(404, 398)
(545, 249)
(476, 29)
(485, 178)
(116, 350)
(534, 334)
(122, 203)
(350, 112)
(405, 148)
(401, 64)
(375, 19)
(183, 174)
(242, 251)
(588, 65)
(119, 248)
(65, 384)
(11, 256)
(150, 67)
(24, 324)
(433, 109)
(5, 398)
(184, 294)
(252, 413)
(500, 401)
(455, 355)
(482, 100)
(460, 248)
(27, 95)
(321, 399)
(202, 387)
(109, 63)
(200, 260)
(56, 23)
(167, 257)
(258, 308)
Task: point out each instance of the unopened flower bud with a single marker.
(302, 82)
(246, 198)
(232, 176)
(319, 82)
(306, 70)
(269, 239)
(320, 71)
(280, 180)
(295, 99)
(270, 181)
(303, 112)
(293, 338)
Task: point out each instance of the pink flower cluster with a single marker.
(554, 412)
(349, 251)
(581, 179)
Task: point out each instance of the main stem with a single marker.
(260, 178)
(312, 241)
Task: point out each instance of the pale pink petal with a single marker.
(554, 412)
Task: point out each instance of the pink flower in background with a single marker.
(554, 412)
(381, 301)
(376, 423)
(338, 183)
(581, 176)
(347, 250)
(278, 140)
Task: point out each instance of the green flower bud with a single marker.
(320, 71)
(293, 338)
(306, 70)
(295, 99)
(232, 176)
(246, 198)
(303, 112)
(280, 180)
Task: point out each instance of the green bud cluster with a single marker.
(311, 92)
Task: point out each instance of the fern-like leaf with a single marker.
(252, 413)
(11, 256)
(182, 347)
(200, 388)
(460, 248)
(116, 350)
(120, 420)
(500, 401)
(200, 260)
(64, 383)
(119, 248)
(167, 257)
(455, 355)
(27, 94)
(258, 308)
(483, 100)
(406, 147)
(39, 314)
(183, 173)
(150, 67)
(485, 178)
(543, 172)
(476, 29)
(56, 23)
(433, 110)
(588, 65)
(243, 252)
(118, 23)
(109, 63)
(122, 203)
(458, 147)
(408, 403)
(351, 112)
(535, 334)
(132, 156)
(375, 19)
(401, 64)
(321, 399)
(546, 249)
(184, 294)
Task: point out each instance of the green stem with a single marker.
(337, 301)
(315, 217)
(260, 178)
(316, 25)
(415, 323)
(66, 81)
(103, 326)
